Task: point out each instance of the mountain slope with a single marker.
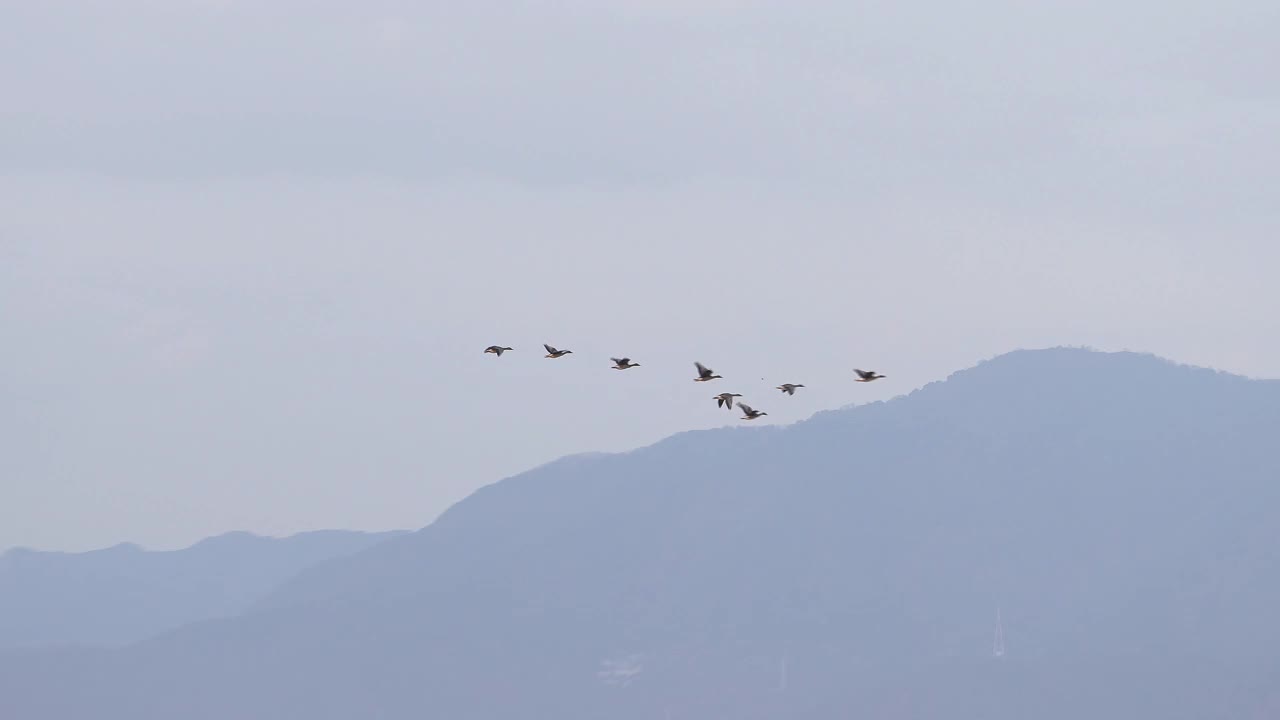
(123, 594)
(1119, 509)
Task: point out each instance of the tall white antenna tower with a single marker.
(997, 646)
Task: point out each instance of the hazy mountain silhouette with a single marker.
(123, 593)
(1121, 510)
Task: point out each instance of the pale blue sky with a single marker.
(249, 257)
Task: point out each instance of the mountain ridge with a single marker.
(1120, 510)
(124, 593)
(973, 384)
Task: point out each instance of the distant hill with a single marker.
(123, 594)
(1122, 512)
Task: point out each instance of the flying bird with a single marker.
(867, 375)
(554, 353)
(496, 350)
(704, 373)
(623, 363)
(788, 388)
(748, 413)
(725, 400)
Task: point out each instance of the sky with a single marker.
(250, 253)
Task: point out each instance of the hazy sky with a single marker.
(249, 256)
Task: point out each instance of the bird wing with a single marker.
(549, 348)
(745, 408)
(702, 369)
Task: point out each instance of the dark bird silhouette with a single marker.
(789, 388)
(623, 363)
(725, 400)
(704, 373)
(867, 375)
(554, 353)
(748, 413)
(496, 350)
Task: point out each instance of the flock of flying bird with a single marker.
(724, 400)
